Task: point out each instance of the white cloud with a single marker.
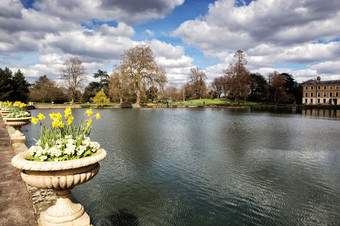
(150, 33)
(270, 32)
(126, 11)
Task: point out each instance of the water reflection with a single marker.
(323, 113)
(213, 167)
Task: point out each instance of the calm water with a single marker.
(212, 167)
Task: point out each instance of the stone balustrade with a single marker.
(42, 199)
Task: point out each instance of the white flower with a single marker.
(95, 146)
(60, 141)
(55, 152)
(81, 150)
(86, 141)
(43, 158)
(34, 149)
(70, 150)
(68, 137)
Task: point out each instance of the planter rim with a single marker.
(20, 161)
(17, 119)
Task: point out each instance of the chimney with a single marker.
(318, 79)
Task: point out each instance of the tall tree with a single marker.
(196, 81)
(20, 87)
(139, 64)
(119, 85)
(73, 75)
(104, 80)
(257, 87)
(90, 91)
(6, 84)
(217, 85)
(276, 88)
(46, 90)
(171, 93)
(238, 78)
(13, 88)
(292, 88)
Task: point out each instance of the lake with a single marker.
(206, 166)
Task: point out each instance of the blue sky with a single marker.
(297, 37)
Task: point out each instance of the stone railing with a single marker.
(42, 199)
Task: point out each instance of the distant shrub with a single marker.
(100, 99)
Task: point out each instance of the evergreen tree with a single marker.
(20, 87)
(6, 83)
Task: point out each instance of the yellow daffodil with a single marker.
(22, 105)
(70, 120)
(89, 112)
(60, 124)
(54, 124)
(68, 112)
(59, 116)
(53, 116)
(97, 116)
(41, 117)
(34, 120)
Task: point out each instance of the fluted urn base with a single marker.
(17, 123)
(64, 212)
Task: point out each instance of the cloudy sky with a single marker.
(300, 37)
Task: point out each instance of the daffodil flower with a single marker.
(54, 124)
(41, 117)
(53, 116)
(97, 116)
(89, 112)
(34, 120)
(59, 116)
(70, 120)
(68, 112)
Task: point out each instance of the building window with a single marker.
(311, 101)
(306, 87)
(330, 94)
(336, 94)
(318, 87)
(311, 87)
(311, 94)
(324, 87)
(318, 101)
(330, 87)
(324, 101)
(336, 87)
(324, 94)
(306, 101)
(319, 94)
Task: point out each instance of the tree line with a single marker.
(138, 79)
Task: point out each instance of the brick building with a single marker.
(321, 92)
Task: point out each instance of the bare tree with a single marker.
(45, 89)
(217, 85)
(119, 85)
(196, 81)
(276, 88)
(237, 78)
(138, 63)
(73, 75)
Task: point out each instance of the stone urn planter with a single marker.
(17, 123)
(4, 113)
(61, 176)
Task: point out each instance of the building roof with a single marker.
(315, 82)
